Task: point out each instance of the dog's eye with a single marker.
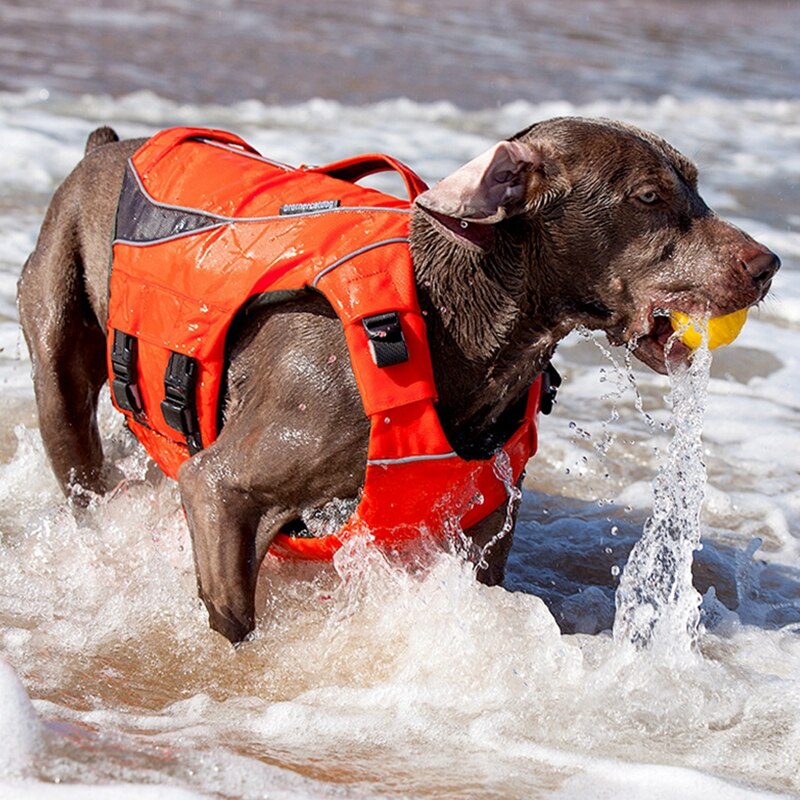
(649, 198)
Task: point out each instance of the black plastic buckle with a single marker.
(123, 369)
(551, 380)
(386, 342)
(178, 406)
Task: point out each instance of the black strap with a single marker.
(551, 380)
(179, 407)
(386, 342)
(123, 369)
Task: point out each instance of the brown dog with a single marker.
(572, 222)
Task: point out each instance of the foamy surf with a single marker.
(371, 680)
(383, 676)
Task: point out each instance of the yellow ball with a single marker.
(721, 330)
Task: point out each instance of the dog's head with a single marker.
(611, 228)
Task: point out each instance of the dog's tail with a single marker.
(99, 137)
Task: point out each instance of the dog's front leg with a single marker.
(492, 546)
(224, 520)
(492, 539)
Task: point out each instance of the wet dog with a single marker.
(572, 222)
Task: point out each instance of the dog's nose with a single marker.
(761, 265)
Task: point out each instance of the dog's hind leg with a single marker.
(67, 349)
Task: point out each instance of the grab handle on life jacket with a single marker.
(358, 167)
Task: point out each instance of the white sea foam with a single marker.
(373, 681)
(18, 721)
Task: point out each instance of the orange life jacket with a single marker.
(204, 224)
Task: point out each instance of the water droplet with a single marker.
(332, 359)
(302, 406)
(614, 530)
(615, 570)
(607, 550)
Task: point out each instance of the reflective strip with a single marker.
(355, 253)
(386, 462)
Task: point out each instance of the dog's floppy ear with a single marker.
(488, 189)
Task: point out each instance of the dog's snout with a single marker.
(761, 265)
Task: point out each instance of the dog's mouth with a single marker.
(658, 342)
(654, 341)
(660, 345)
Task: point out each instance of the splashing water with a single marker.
(657, 605)
(464, 546)
(504, 472)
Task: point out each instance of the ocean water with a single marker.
(366, 679)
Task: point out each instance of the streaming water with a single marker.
(657, 605)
